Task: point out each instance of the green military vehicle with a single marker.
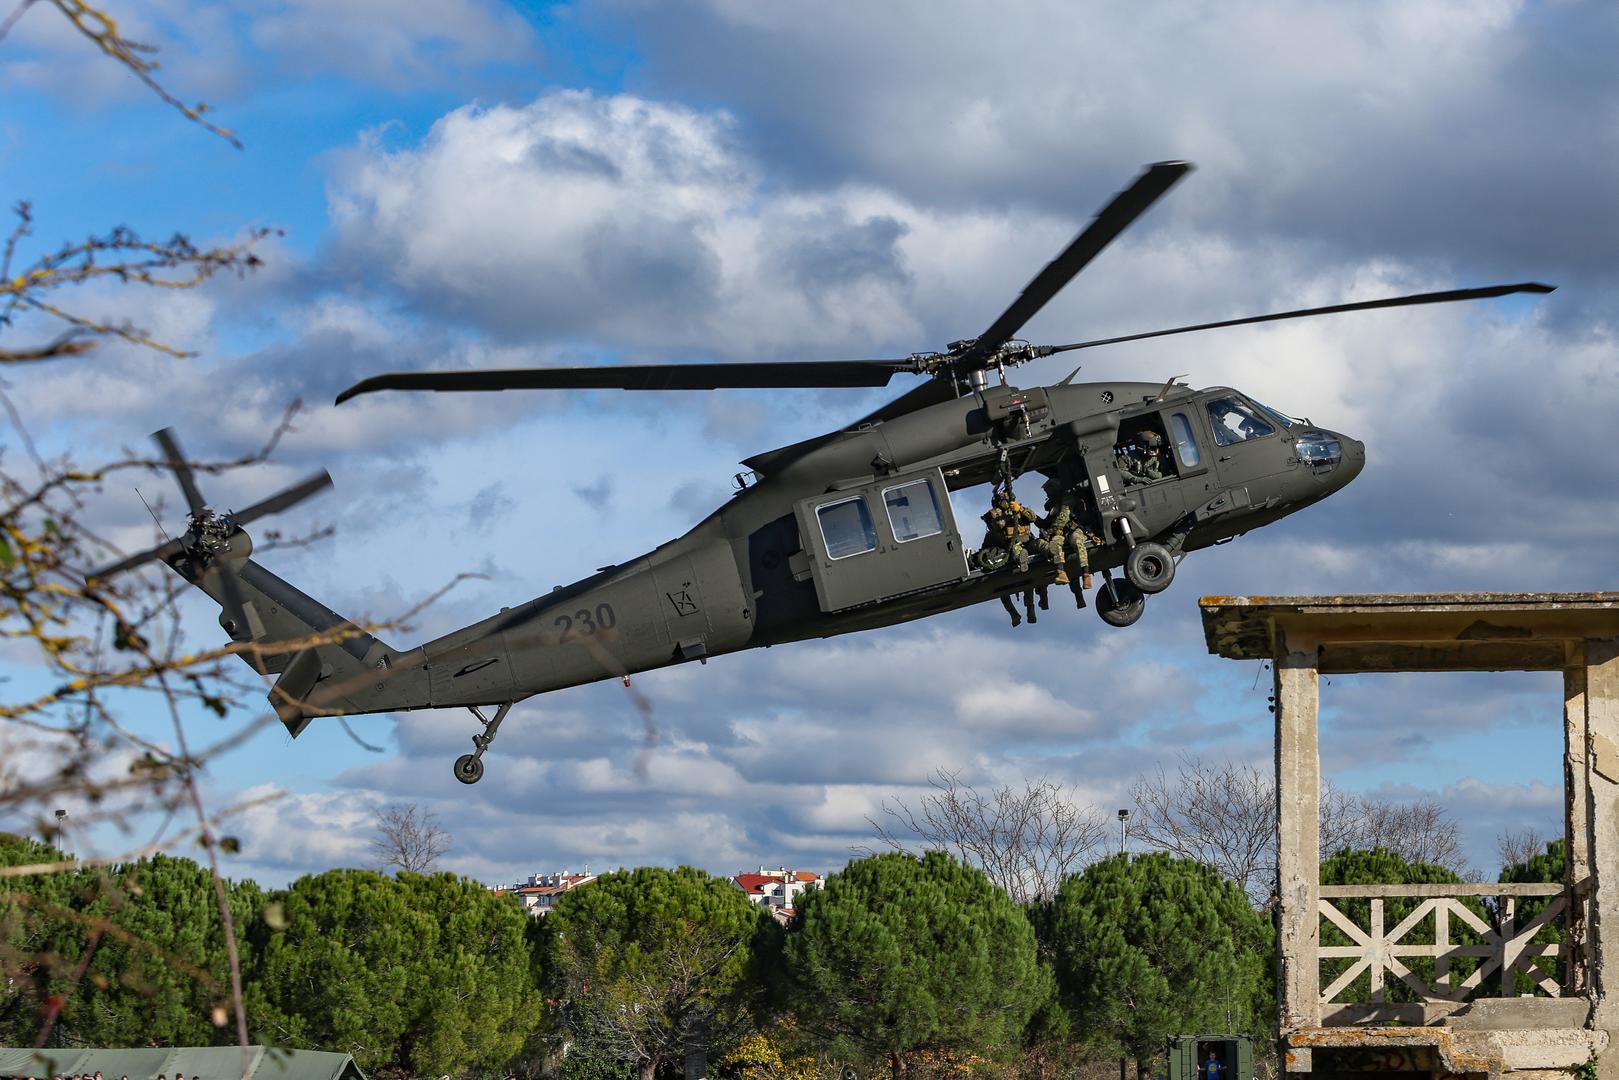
(1189, 1056)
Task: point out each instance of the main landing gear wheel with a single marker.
(1150, 567)
(469, 767)
(992, 559)
(1119, 603)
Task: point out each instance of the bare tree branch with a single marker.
(1515, 848)
(102, 29)
(409, 839)
(1224, 816)
(1027, 840)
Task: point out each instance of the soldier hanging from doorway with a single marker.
(1008, 528)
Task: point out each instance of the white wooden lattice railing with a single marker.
(1503, 951)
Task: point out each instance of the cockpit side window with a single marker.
(846, 527)
(1235, 421)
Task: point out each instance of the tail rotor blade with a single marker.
(163, 553)
(297, 493)
(182, 471)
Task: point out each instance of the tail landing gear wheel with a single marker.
(468, 769)
(1119, 603)
(1150, 567)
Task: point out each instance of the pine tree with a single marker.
(650, 965)
(1550, 866)
(428, 975)
(1153, 946)
(897, 955)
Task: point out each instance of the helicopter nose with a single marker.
(1354, 459)
(1331, 459)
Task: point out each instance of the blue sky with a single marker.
(476, 184)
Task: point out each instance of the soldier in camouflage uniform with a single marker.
(1008, 521)
(1145, 462)
(1007, 527)
(1061, 531)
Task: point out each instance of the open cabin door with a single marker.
(881, 540)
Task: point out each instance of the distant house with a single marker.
(776, 889)
(540, 891)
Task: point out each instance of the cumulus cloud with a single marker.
(637, 223)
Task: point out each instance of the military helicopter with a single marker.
(846, 531)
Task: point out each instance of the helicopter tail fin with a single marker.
(327, 666)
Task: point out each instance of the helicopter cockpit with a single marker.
(1234, 420)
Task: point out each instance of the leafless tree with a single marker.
(1224, 816)
(1418, 831)
(409, 839)
(1026, 839)
(1519, 847)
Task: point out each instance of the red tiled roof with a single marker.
(755, 883)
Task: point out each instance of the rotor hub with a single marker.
(211, 534)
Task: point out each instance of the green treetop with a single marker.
(1154, 946)
(896, 955)
(429, 974)
(650, 965)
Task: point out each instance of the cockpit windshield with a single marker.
(1235, 421)
(1281, 418)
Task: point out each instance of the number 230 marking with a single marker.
(585, 622)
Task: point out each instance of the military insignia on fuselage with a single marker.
(682, 600)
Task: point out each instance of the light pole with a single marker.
(61, 827)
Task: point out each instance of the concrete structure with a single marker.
(1453, 1026)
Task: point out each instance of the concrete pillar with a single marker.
(1577, 822)
(1602, 803)
(1298, 814)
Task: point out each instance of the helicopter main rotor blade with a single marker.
(708, 376)
(1332, 309)
(300, 491)
(182, 471)
(1113, 219)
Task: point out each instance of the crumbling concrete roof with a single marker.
(1414, 631)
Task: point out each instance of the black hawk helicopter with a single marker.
(846, 531)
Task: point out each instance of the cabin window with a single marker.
(1185, 445)
(847, 527)
(1235, 421)
(913, 511)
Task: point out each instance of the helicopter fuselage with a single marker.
(856, 530)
